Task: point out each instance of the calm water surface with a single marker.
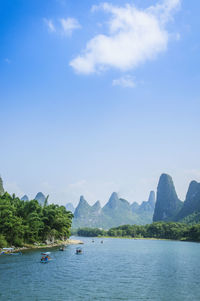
(118, 269)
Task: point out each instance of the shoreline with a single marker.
(135, 238)
(128, 237)
(141, 238)
(47, 246)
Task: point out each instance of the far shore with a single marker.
(140, 238)
(128, 237)
(47, 246)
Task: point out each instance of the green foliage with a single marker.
(160, 230)
(192, 219)
(90, 232)
(3, 242)
(29, 222)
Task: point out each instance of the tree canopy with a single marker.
(161, 230)
(28, 222)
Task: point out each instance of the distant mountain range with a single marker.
(25, 198)
(40, 197)
(117, 211)
(165, 206)
(169, 208)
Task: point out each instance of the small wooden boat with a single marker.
(79, 251)
(62, 249)
(45, 253)
(7, 251)
(45, 259)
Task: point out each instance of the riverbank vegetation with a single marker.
(158, 230)
(28, 222)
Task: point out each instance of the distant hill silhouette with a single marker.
(40, 197)
(70, 207)
(165, 206)
(191, 208)
(25, 198)
(167, 202)
(116, 212)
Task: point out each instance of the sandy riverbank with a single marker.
(47, 246)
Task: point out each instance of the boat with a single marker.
(45, 259)
(15, 254)
(45, 253)
(7, 251)
(79, 251)
(62, 249)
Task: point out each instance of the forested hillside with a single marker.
(29, 222)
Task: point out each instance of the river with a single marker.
(118, 269)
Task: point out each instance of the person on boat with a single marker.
(42, 259)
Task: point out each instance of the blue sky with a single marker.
(98, 97)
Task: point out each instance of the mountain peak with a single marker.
(97, 205)
(167, 202)
(82, 199)
(113, 200)
(114, 195)
(83, 208)
(149, 205)
(40, 197)
(152, 197)
(192, 201)
(96, 209)
(134, 207)
(70, 207)
(192, 190)
(39, 194)
(25, 198)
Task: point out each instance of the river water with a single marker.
(118, 269)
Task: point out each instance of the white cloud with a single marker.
(69, 25)
(126, 81)
(50, 25)
(164, 10)
(134, 36)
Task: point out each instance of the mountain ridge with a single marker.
(117, 211)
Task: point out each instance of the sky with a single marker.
(97, 97)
